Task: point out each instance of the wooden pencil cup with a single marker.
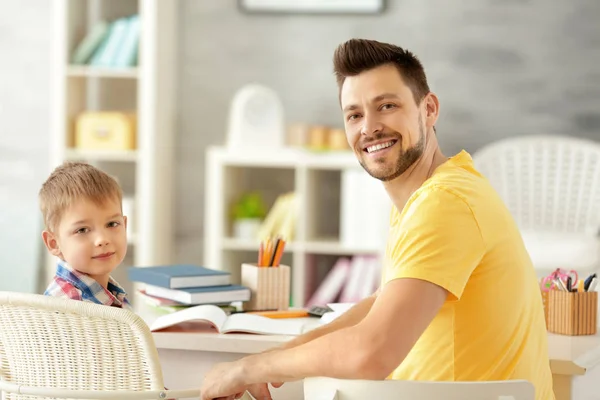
(269, 287)
(572, 313)
(545, 303)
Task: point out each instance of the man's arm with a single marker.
(368, 349)
(350, 318)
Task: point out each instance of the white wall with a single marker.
(24, 130)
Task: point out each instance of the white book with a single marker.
(202, 295)
(215, 318)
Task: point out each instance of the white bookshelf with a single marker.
(316, 180)
(147, 89)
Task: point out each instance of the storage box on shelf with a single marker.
(316, 180)
(134, 82)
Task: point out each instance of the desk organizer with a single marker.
(270, 287)
(572, 313)
(545, 303)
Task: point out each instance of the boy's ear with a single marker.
(125, 222)
(51, 243)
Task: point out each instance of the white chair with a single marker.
(60, 348)
(340, 389)
(551, 185)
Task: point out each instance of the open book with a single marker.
(214, 317)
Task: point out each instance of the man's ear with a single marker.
(432, 109)
(51, 243)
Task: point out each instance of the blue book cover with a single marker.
(107, 52)
(202, 295)
(179, 276)
(128, 51)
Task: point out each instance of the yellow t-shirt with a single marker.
(456, 232)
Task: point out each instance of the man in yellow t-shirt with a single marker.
(459, 299)
(455, 232)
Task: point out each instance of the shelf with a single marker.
(102, 155)
(334, 247)
(248, 245)
(102, 72)
(321, 246)
(286, 157)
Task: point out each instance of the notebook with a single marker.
(202, 295)
(179, 276)
(217, 319)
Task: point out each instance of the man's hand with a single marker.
(224, 381)
(260, 391)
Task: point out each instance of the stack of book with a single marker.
(180, 286)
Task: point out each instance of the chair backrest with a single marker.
(59, 343)
(549, 183)
(340, 389)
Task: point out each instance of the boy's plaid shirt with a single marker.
(77, 286)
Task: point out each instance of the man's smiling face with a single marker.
(383, 123)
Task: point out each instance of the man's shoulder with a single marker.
(455, 185)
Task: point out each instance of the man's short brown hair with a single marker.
(71, 182)
(359, 55)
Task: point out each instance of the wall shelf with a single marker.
(97, 72)
(101, 155)
(316, 180)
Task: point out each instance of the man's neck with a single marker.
(401, 188)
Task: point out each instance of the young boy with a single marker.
(86, 230)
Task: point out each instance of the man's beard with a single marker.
(405, 159)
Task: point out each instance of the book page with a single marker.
(204, 313)
(249, 323)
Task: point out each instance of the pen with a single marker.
(275, 250)
(560, 284)
(593, 284)
(588, 281)
(261, 249)
(580, 286)
(279, 314)
(278, 253)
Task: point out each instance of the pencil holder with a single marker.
(572, 313)
(269, 287)
(545, 303)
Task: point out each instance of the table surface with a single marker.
(568, 354)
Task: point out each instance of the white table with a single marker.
(575, 364)
(186, 356)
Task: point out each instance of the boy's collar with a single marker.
(91, 290)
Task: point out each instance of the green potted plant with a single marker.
(247, 214)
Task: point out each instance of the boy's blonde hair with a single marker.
(71, 182)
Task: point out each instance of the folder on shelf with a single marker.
(333, 284)
(90, 43)
(281, 219)
(127, 54)
(107, 52)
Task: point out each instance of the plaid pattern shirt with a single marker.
(77, 286)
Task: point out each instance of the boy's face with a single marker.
(91, 238)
